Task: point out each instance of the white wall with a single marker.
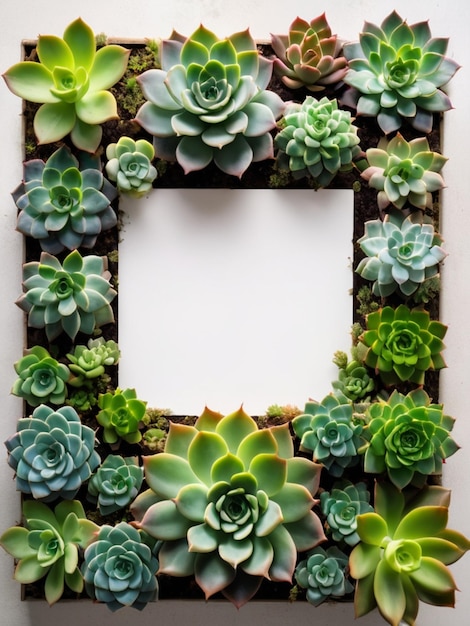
(155, 18)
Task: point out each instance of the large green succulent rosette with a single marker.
(209, 102)
(230, 503)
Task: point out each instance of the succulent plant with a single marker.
(121, 415)
(396, 72)
(71, 80)
(52, 453)
(71, 297)
(328, 430)
(64, 204)
(316, 139)
(402, 344)
(408, 438)
(47, 546)
(130, 165)
(404, 172)
(341, 507)
(402, 253)
(403, 554)
(119, 567)
(115, 483)
(153, 438)
(354, 381)
(89, 362)
(309, 56)
(322, 574)
(231, 504)
(209, 102)
(82, 399)
(42, 379)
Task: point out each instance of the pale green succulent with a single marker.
(309, 56)
(48, 546)
(402, 557)
(71, 297)
(341, 507)
(130, 166)
(63, 203)
(404, 172)
(396, 72)
(209, 102)
(89, 362)
(323, 574)
(355, 381)
(42, 379)
(231, 504)
(71, 80)
(115, 483)
(316, 139)
(408, 437)
(402, 253)
(120, 567)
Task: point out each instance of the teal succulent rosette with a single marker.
(115, 483)
(230, 503)
(342, 506)
(323, 576)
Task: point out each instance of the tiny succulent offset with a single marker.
(120, 567)
(121, 415)
(403, 554)
(316, 139)
(47, 546)
(64, 204)
(408, 437)
(115, 483)
(402, 344)
(402, 252)
(354, 381)
(41, 379)
(309, 56)
(404, 172)
(209, 102)
(71, 81)
(230, 503)
(322, 574)
(396, 72)
(342, 506)
(71, 297)
(130, 166)
(90, 361)
(52, 453)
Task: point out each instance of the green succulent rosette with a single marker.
(71, 81)
(115, 483)
(121, 415)
(341, 507)
(209, 102)
(309, 55)
(402, 344)
(396, 73)
(230, 503)
(48, 545)
(355, 382)
(90, 361)
(41, 379)
(130, 166)
(322, 574)
(403, 554)
(408, 437)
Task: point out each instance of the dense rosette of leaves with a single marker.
(230, 503)
(41, 379)
(52, 453)
(64, 204)
(402, 252)
(396, 72)
(355, 382)
(327, 429)
(322, 574)
(209, 102)
(120, 566)
(403, 554)
(130, 165)
(71, 80)
(341, 507)
(71, 297)
(115, 483)
(89, 362)
(402, 344)
(309, 56)
(408, 438)
(404, 172)
(48, 546)
(316, 139)
(121, 415)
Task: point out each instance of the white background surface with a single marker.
(156, 19)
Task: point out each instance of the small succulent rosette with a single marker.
(115, 483)
(130, 166)
(323, 575)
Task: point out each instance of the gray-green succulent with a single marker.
(130, 166)
(323, 574)
(115, 483)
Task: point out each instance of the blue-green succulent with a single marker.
(341, 507)
(130, 166)
(41, 378)
(323, 574)
(63, 203)
(115, 483)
